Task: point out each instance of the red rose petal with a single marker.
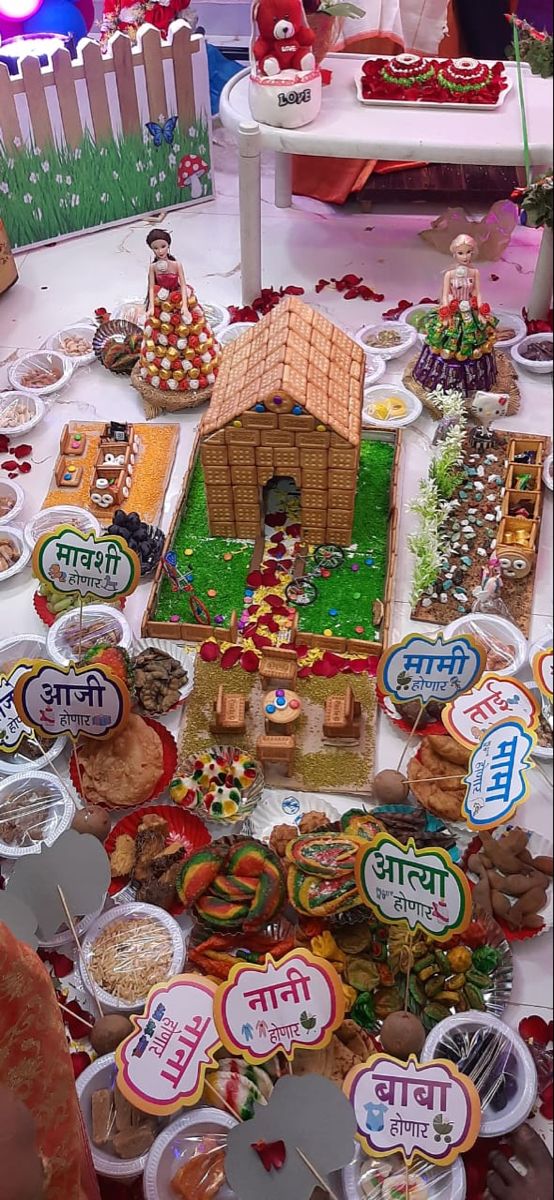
(249, 661)
(77, 1020)
(495, 278)
(4, 443)
(304, 672)
(60, 963)
(534, 1028)
(324, 669)
(358, 666)
(254, 579)
(230, 657)
(79, 1062)
(10, 464)
(24, 468)
(292, 291)
(261, 642)
(23, 451)
(301, 651)
(321, 284)
(13, 474)
(209, 652)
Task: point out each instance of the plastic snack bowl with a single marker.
(405, 331)
(15, 536)
(131, 914)
(84, 329)
(442, 1183)
(384, 392)
(26, 647)
(49, 788)
(536, 368)
(102, 1074)
(60, 514)
(46, 359)
(485, 626)
(104, 616)
(11, 491)
(34, 406)
(169, 1151)
(233, 331)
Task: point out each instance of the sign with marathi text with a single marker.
(423, 668)
(162, 1065)
(494, 698)
(12, 729)
(297, 1002)
(73, 561)
(421, 888)
(71, 700)
(542, 671)
(497, 782)
(426, 1110)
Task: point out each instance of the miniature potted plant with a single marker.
(326, 19)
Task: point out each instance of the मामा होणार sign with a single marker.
(297, 1002)
(422, 668)
(469, 716)
(162, 1065)
(542, 671)
(496, 782)
(72, 700)
(426, 1110)
(73, 561)
(12, 729)
(421, 888)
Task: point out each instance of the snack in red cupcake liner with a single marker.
(48, 617)
(183, 827)
(169, 749)
(394, 714)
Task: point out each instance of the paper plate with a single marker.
(131, 914)
(278, 808)
(383, 392)
(187, 659)
(52, 799)
(536, 844)
(182, 826)
(172, 1148)
(441, 1183)
(102, 1074)
(169, 749)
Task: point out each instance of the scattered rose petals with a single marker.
(209, 651)
(10, 464)
(79, 1062)
(4, 443)
(535, 1029)
(230, 657)
(60, 963)
(24, 468)
(249, 661)
(22, 451)
(254, 579)
(321, 284)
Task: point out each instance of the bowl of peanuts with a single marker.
(41, 371)
(12, 499)
(75, 342)
(19, 412)
(14, 554)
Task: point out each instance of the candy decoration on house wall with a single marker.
(285, 82)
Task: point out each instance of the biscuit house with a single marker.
(287, 404)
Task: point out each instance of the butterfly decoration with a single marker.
(162, 133)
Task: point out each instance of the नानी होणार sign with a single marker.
(469, 716)
(427, 1110)
(543, 672)
(421, 888)
(297, 1002)
(423, 669)
(12, 729)
(72, 700)
(73, 561)
(496, 782)
(162, 1065)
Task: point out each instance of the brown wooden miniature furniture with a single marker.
(230, 710)
(279, 666)
(276, 749)
(343, 716)
(283, 715)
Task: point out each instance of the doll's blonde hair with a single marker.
(463, 239)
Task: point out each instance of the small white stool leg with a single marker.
(283, 180)
(250, 208)
(540, 299)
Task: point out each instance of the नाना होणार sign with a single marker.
(421, 888)
(426, 1110)
(12, 729)
(542, 671)
(496, 782)
(72, 700)
(297, 1002)
(423, 668)
(469, 716)
(162, 1065)
(73, 561)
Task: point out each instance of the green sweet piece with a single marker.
(363, 1011)
(485, 959)
(442, 962)
(362, 974)
(478, 979)
(416, 991)
(474, 997)
(434, 1012)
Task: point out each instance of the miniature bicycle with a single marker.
(303, 591)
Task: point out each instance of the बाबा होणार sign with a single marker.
(497, 779)
(495, 698)
(297, 1002)
(72, 561)
(421, 888)
(72, 700)
(542, 671)
(424, 668)
(426, 1110)
(162, 1065)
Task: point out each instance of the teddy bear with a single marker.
(285, 40)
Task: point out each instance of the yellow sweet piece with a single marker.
(460, 959)
(391, 409)
(350, 995)
(325, 946)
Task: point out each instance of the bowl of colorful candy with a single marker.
(223, 783)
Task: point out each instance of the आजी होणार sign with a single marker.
(297, 1002)
(421, 888)
(72, 700)
(426, 1110)
(542, 671)
(12, 729)
(73, 561)
(496, 782)
(423, 669)
(495, 697)
(162, 1065)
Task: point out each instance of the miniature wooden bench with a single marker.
(279, 666)
(230, 711)
(274, 749)
(342, 717)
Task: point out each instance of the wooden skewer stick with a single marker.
(435, 779)
(71, 924)
(221, 1100)
(321, 1181)
(76, 1016)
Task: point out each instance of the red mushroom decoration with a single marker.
(191, 170)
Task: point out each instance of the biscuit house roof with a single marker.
(298, 352)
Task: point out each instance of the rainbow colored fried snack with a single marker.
(241, 887)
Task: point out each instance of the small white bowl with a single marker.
(102, 1073)
(493, 1124)
(49, 360)
(548, 472)
(536, 368)
(105, 616)
(64, 937)
(130, 913)
(406, 332)
(375, 367)
(546, 752)
(499, 630)
(170, 1150)
(60, 514)
(509, 320)
(84, 329)
(441, 1183)
(234, 331)
(14, 493)
(382, 392)
(35, 410)
(25, 648)
(15, 789)
(410, 317)
(217, 317)
(16, 536)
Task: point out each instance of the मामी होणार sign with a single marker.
(497, 782)
(469, 716)
(422, 668)
(421, 888)
(161, 1067)
(543, 672)
(72, 700)
(72, 561)
(426, 1110)
(278, 1006)
(12, 729)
